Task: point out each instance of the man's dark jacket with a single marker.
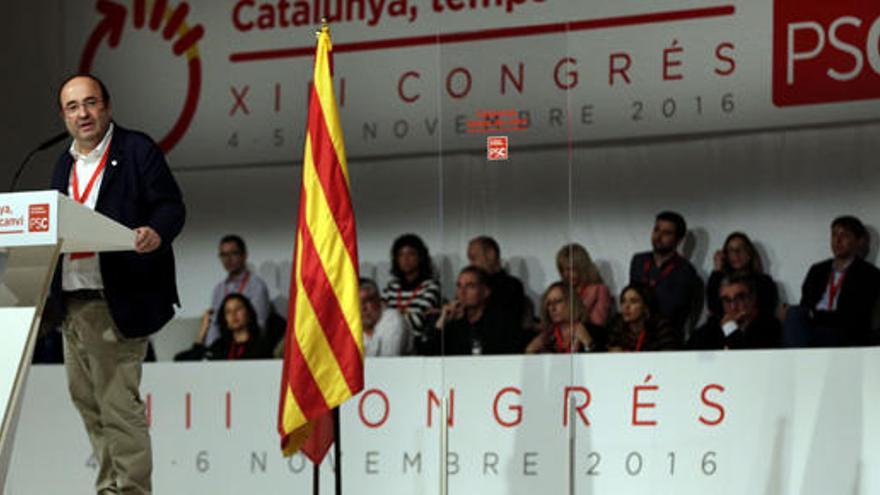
(855, 304)
(137, 190)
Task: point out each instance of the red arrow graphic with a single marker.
(111, 26)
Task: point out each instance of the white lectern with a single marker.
(35, 228)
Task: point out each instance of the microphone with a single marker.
(44, 145)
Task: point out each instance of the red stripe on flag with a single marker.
(303, 385)
(330, 315)
(330, 174)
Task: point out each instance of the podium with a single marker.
(36, 228)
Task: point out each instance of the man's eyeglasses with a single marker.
(737, 299)
(73, 108)
(228, 254)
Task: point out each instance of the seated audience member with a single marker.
(740, 256)
(838, 296)
(577, 268)
(507, 291)
(239, 334)
(741, 324)
(562, 323)
(673, 279)
(384, 330)
(239, 279)
(468, 325)
(639, 326)
(413, 292)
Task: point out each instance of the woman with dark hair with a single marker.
(639, 327)
(412, 291)
(739, 256)
(239, 334)
(563, 327)
(578, 270)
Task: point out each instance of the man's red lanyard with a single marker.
(646, 270)
(401, 305)
(833, 288)
(241, 285)
(82, 197)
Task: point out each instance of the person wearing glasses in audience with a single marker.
(469, 325)
(740, 256)
(742, 324)
(239, 280)
(111, 302)
(563, 328)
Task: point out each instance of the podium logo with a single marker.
(825, 51)
(38, 218)
(170, 23)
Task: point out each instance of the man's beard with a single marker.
(662, 251)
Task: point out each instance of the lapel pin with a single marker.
(113, 162)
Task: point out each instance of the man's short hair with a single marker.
(105, 95)
(488, 243)
(852, 224)
(237, 240)
(482, 276)
(745, 279)
(675, 218)
(368, 284)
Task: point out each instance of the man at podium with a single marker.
(112, 301)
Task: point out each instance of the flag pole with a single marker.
(316, 478)
(337, 451)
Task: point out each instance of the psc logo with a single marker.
(825, 51)
(38, 218)
(171, 24)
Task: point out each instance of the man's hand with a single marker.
(146, 240)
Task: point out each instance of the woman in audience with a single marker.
(739, 256)
(638, 327)
(413, 291)
(239, 334)
(562, 323)
(577, 269)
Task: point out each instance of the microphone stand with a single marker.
(45, 145)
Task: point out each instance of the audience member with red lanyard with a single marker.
(675, 282)
(239, 280)
(639, 326)
(413, 291)
(562, 327)
(239, 334)
(578, 270)
(839, 296)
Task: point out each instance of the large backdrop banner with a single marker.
(226, 82)
(801, 422)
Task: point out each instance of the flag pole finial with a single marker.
(325, 28)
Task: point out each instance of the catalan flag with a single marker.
(323, 357)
